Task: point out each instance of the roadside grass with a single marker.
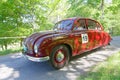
(9, 51)
(108, 70)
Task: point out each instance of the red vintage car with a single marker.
(70, 37)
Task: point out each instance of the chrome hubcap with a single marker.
(60, 56)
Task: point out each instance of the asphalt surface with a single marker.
(16, 67)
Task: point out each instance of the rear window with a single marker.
(91, 24)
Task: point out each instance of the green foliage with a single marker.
(9, 51)
(83, 8)
(108, 70)
(14, 13)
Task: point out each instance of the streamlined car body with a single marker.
(70, 37)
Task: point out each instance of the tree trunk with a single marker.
(102, 9)
(2, 47)
(5, 46)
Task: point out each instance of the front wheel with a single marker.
(59, 56)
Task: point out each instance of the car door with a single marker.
(80, 37)
(94, 31)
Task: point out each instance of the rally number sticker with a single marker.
(84, 38)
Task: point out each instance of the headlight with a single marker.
(35, 49)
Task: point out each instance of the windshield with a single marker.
(64, 25)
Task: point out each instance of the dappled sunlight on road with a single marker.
(8, 73)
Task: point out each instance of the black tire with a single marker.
(59, 56)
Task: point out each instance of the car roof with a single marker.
(74, 18)
(77, 18)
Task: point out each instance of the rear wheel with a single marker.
(59, 56)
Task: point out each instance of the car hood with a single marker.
(30, 41)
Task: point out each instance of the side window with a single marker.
(80, 25)
(93, 25)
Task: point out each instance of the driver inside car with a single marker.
(78, 26)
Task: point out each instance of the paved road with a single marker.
(15, 67)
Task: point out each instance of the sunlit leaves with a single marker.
(12, 13)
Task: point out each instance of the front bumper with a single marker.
(37, 59)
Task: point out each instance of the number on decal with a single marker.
(84, 38)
